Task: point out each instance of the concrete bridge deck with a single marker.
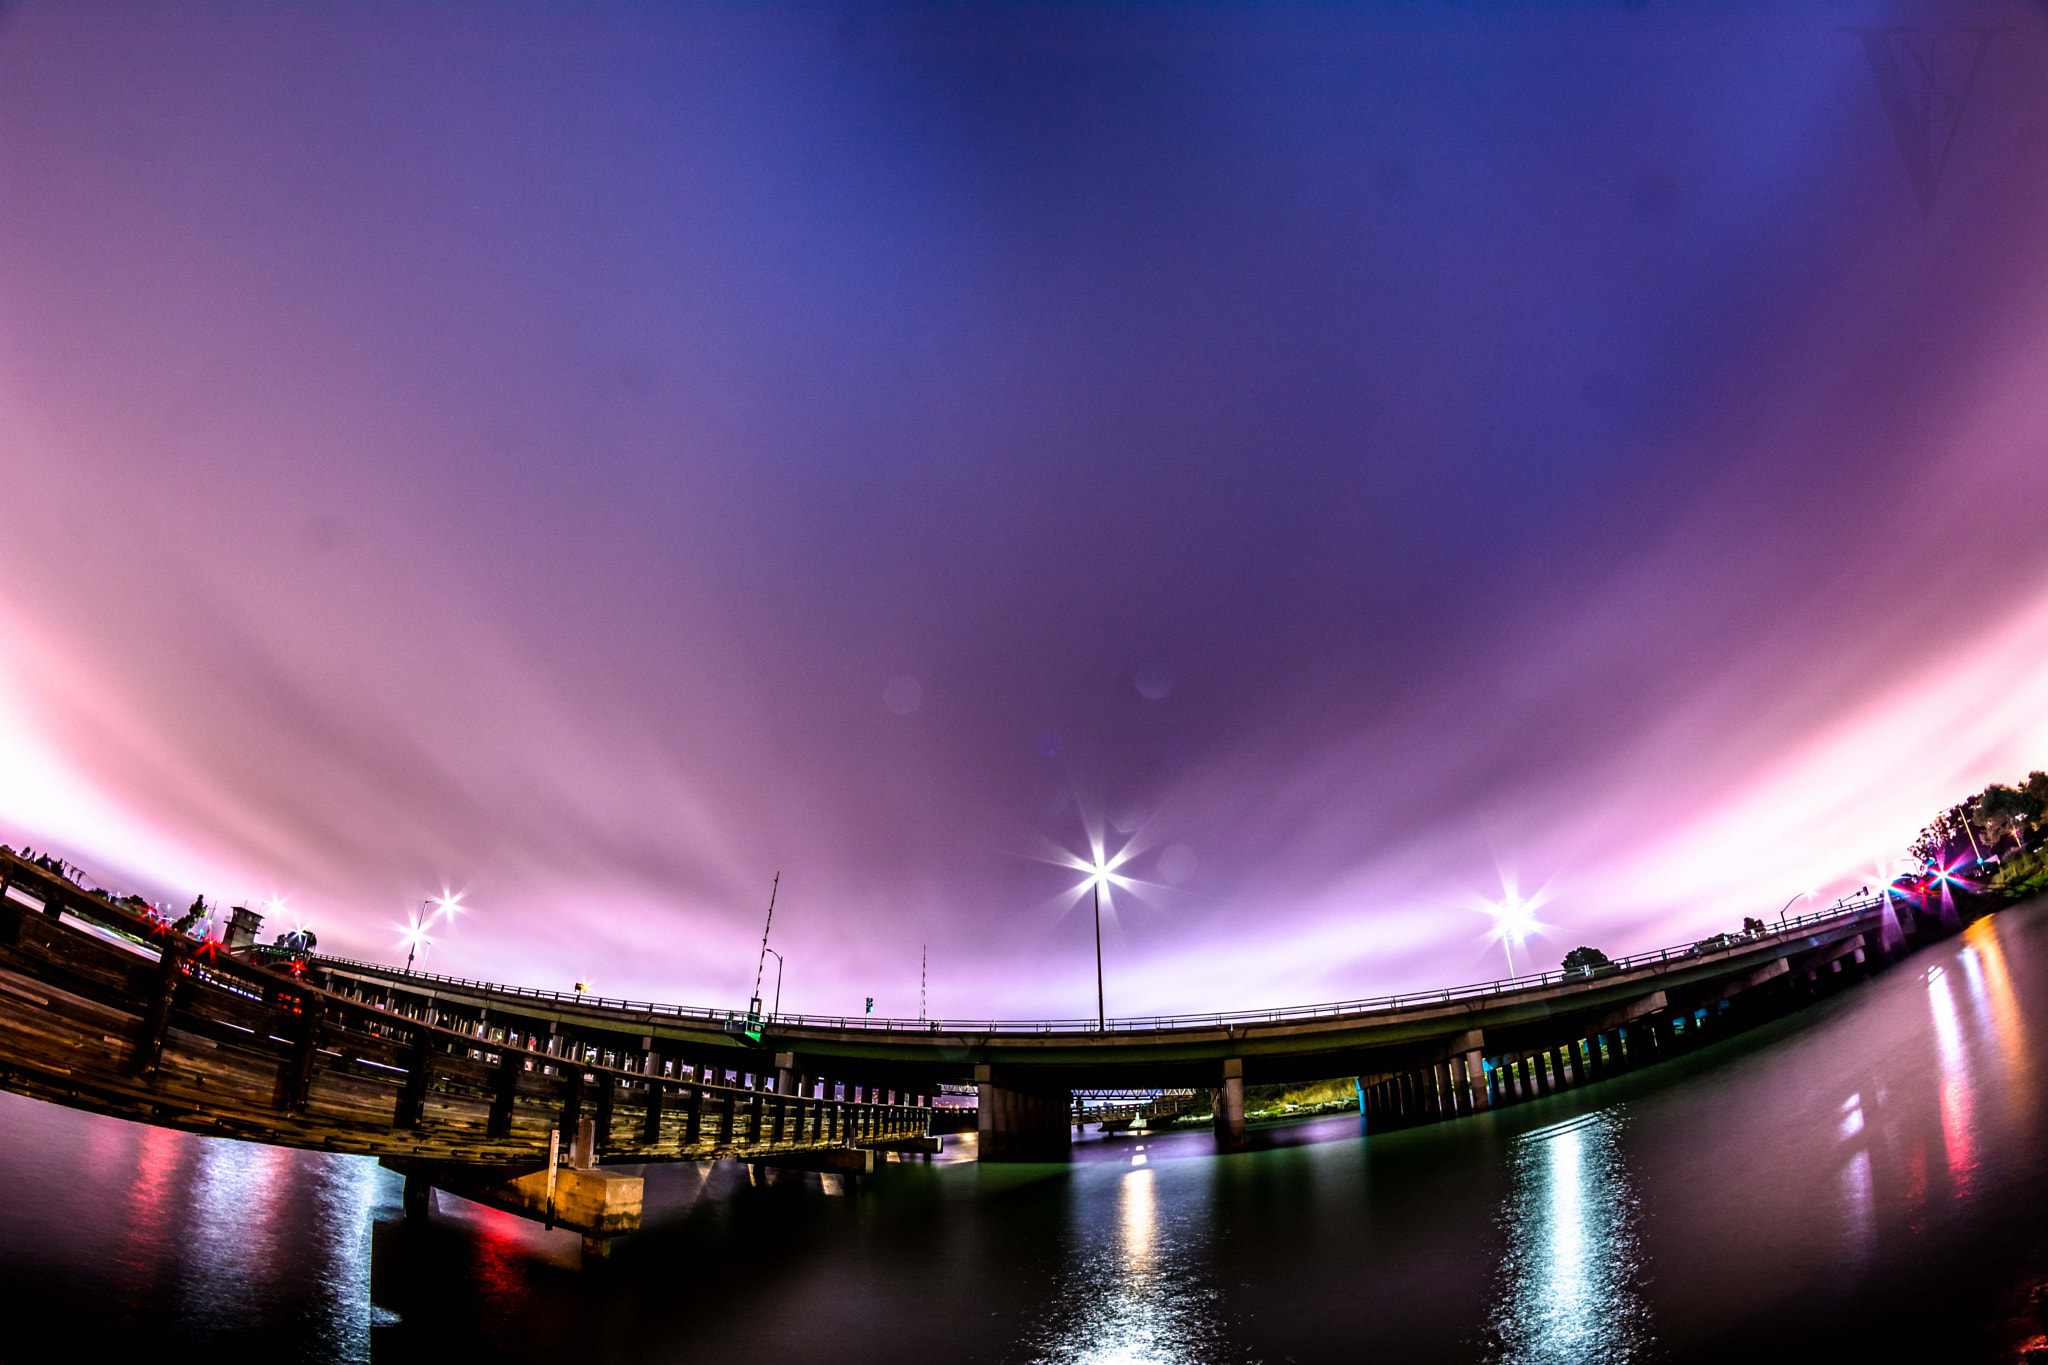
(1420, 1055)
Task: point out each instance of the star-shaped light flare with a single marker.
(1098, 869)
(1949, 876)
(412, 937)
(1514, 917)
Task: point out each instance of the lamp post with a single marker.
(1514, 919)
(1099, 869)
(1101, 1017)
(416, 936)
(1788, 905)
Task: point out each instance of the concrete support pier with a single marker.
(1474, 1064)
(1230, 1106)
(1018, 1124)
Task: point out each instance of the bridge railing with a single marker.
(267, 1033)
(740, 1021)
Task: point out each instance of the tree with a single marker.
(192, 916)
(1952, 837)
(2010, 812)
(1584, 959)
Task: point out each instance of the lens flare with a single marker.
(413, 938)
(1514, 917)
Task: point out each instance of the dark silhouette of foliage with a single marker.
(1584, 959)
(2011, 813)
(196, 913)
(2000, 820)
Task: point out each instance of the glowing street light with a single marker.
(1097, 874)
(1514, 918)
(414, 937)
(1098, 868)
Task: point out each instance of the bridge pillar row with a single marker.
(785, 1073)
(1230, 1106)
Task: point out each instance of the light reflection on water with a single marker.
(1958, 1131)
(1135, 1291)
(1991, 990)
(1570, 1276)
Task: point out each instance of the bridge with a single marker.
(1113, 1110)
(103, 1007)
(480, 1088)
(1418, 1056)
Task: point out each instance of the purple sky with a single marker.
(595, 458)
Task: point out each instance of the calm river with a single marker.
(1865, 1177)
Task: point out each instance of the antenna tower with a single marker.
(924, 957)
(762, 960)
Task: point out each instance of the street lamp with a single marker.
(414, 937)
(1804, 895)
(1097, 872)
(1514, 919)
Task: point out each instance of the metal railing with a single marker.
(740, 1020)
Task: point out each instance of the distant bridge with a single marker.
(103, 1008)
(1114, 1109)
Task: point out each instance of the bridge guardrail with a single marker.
(731, 1020)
